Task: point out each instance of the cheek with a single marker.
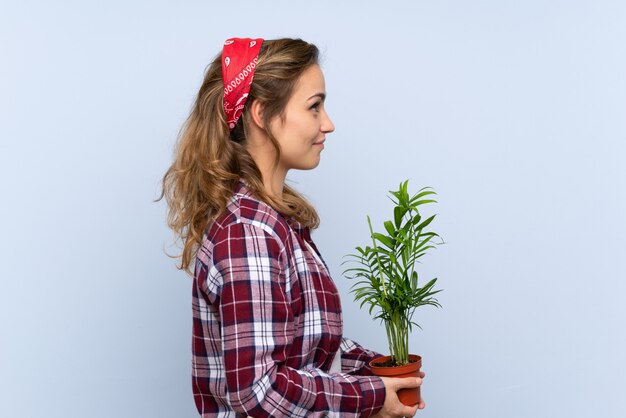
(300, 132)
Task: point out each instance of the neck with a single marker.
(273, 176)
(274, 181)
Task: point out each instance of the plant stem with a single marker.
(380, 268)
(389, 339)
(413, 231)
(398, 337)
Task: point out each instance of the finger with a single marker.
(396, 383)
(421, 405)
(409, 411)
(409, 382)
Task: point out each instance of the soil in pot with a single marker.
(383, 366)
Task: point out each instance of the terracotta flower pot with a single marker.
(408, 397)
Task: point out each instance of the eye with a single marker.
(315, 106)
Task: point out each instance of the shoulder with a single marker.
(247, 216)
(245, 208)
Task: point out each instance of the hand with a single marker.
(393, 408)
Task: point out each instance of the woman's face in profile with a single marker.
(301, 137)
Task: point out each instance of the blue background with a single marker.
(514, 111)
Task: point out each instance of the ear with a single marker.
(256, 113)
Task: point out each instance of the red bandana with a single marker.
(239, 58)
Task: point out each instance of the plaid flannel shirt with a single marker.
(267, 324)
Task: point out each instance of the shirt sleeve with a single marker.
(257, 326)
(355, 358)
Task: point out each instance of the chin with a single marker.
(315, 163)
(309, 166)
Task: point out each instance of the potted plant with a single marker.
(389, 283)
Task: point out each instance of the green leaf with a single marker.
(389, 227)
(422, 194)
(414, 281)
(383, 239)
(398, 214)
(425, 223)
(422, 202)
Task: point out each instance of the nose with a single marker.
(327, 124)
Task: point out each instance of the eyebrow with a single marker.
(321, 95)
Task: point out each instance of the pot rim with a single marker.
(417, 364)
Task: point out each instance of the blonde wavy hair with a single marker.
(209, 160)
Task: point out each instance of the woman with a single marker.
(267, 326)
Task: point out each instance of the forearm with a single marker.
(355, 358)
